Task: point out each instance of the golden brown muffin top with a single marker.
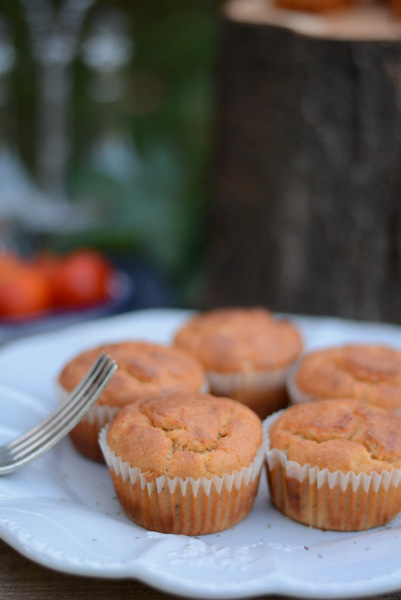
(186, 435)
(369, 373)
(240, 340)
(144, 369)
(340, 435)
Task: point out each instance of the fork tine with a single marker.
(57, 430)
(41, 445)
(91, 373)
(82, 388)
(66, 412)
(51, 422)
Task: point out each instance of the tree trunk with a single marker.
(306, 208)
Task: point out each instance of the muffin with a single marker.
(396, 7)
(185, 463)
(369, 373)
(246, 354)
(315, 6)
(144, 369)
(335, 464)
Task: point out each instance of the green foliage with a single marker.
(154, 202)
(159, 208)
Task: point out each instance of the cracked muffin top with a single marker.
(186, 435)
(339, 435)
(144, 369)
(369, 373)
(240, 340)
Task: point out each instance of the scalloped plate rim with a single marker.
(153, 568)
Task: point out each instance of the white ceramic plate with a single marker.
(61, 511)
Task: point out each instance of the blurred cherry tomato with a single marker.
(48, 263)
(9, 261)
(24, 291)
(81, 278)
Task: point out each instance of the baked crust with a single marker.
(315, 6)
(144, 369)
(370, 373)
(396, 6)
(186, 435)
(339, 435)
(242, 340)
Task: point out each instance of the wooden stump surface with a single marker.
(305, 212)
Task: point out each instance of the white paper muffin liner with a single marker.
(263, 391)
(265, 380)
(98, 414)
(295, 395)
(85, 434)
(330, 500)
(204, 505)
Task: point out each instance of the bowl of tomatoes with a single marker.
(51, 289)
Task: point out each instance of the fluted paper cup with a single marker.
(183, 506)
(264, 392)
(295, 395)
(330, 500)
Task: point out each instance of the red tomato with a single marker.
(48, 263)
(24, 291)
(8, 261)
(82, 277)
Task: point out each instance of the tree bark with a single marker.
(306, 203)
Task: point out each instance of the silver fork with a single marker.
(38, 440)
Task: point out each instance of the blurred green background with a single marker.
(141, 131)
